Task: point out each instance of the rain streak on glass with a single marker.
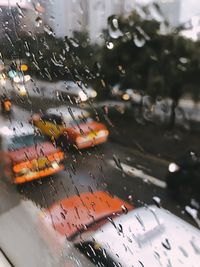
(99, 133)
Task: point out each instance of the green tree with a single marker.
(142, 57)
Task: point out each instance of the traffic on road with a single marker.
(99, 135)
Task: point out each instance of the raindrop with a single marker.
(139, 42)
(195, 246)
(109, 45)
(114, 33)
(39, 8)
(115, 23)
(62, 215)
(194, 204)
(130, 198)
(124, 209)
(128, 159)
(74, 42)
(28, 54)
(67, 47)
(120, 228)
(142, 265)
(166, 244)
(117, 162)
(48, 30)
(90, 189)
(183, 60)
(140, 221)
(157, 201)
(194, 214)
(122, 71)
(183, 251)
(38, 22)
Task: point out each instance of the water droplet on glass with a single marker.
(38, 22)
(74, 42)
(48, 30)
(194, 204)
(109, 45)
(157, 201)
(114, 33)
(139, 42)
(166, 244)
(117, 162)
(124, 209)
(28, 54)
(62, 215)
(183, 251)
(194, 214)
(183, 60)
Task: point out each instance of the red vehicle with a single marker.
(30, 156)
(77, 214)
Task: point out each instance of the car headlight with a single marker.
(83, 96)
(22, 90)
(16, 79)
(173, 167)
(125, 97)
(93, 94)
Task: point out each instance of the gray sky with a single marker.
(189, 8)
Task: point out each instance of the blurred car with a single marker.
(74, 92)
(77, 214)
(19, 81)
(135, 96)
(71, 126)
(31, 156)
(183, 175)
(20, 89)
(110, 232)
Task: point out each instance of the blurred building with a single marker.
(171, 10)
(192, 28)
(17, 17)
(79, 15)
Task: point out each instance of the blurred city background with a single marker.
(128, 72)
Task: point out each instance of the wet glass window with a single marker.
(53, 119)
(16, 143)
(97, 254)
(99, 133)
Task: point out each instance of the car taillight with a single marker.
(56, 156)
(35, 118)
(24, 165)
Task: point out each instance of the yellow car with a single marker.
(71, 126)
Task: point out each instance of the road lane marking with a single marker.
(134, 172)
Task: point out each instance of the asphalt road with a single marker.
(124, 171)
